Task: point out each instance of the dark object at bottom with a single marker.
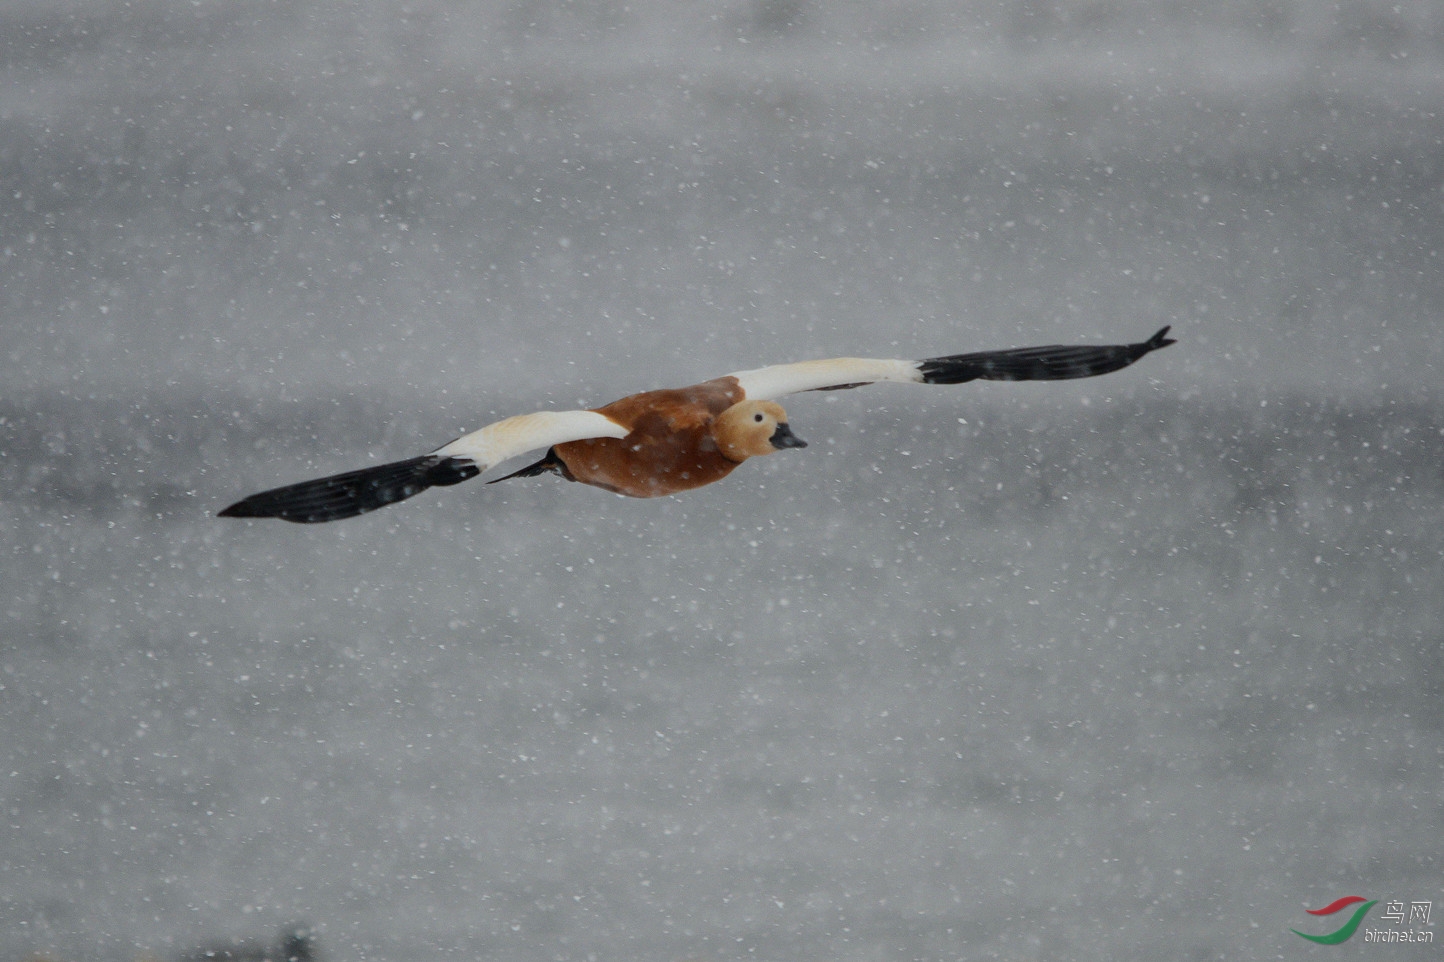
(296, 944)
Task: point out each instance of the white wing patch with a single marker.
(508, 438)
(780, 379)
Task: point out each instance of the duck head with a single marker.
(749, 429)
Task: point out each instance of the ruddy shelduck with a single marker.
(667, 441)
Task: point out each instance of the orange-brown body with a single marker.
(671, 446)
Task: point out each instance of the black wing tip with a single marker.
(355, 492)
(1054, 362)
(264, 505)
(245, 509)
(1161, 339)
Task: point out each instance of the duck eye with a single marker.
(757, 417)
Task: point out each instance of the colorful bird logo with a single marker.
(1342, 933)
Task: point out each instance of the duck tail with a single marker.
(550, 464)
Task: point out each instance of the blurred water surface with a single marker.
(1073, 670)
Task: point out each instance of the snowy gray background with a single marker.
(1127, 668)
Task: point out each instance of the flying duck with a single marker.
(663, 442)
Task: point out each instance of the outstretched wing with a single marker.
(357, 492)
(1055, 362)
(505, 439)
